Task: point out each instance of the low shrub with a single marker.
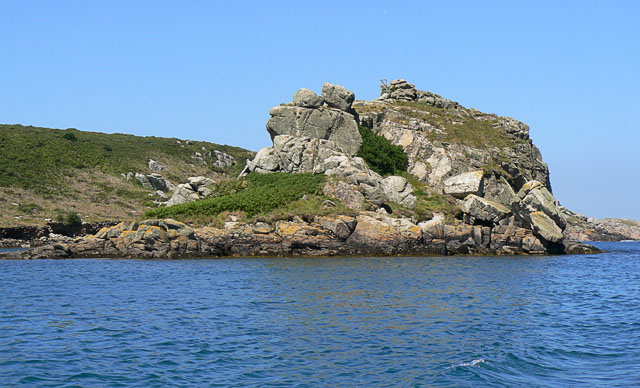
(262, 194)
(381, 155)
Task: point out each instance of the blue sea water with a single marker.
(364, 322)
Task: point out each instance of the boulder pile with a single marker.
(320, 135)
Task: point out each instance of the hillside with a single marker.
(45, 172)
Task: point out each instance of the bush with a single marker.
(381, 155)
(72, 218)
(263, 193)
(70, 136)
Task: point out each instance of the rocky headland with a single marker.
(466, 182)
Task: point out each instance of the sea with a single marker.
(544, 321)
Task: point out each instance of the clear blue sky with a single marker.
(211, 71)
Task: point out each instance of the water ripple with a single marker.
(385, 322)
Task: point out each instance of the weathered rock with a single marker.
(534, 196)
(481, 209)
(159, 183)
(143, 181)
(156, 166)
(497, 189)
(338, 96)
(545, 227)
(341, 226)
(265, 160)
(464, 184)
(345, 192)
(184, 193)
(323, 123)
(372, 235)
(307, 98)
(223, 160)
(202, 185)
(399, 190)
(402, 90)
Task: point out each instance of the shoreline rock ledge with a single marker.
(367, 234)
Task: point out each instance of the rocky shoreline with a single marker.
(368, 234)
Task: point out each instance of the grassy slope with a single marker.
(464, 130)
(42, 171)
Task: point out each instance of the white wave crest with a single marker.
(472, 363)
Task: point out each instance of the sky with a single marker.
(211, 71)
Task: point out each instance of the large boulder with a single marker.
(307, 98)
(156, 166)
(464, 184)
(159, 183)
(545, 227)
(482, 209)
(265, 160)
(337, 96)
(202, 185)
(534, 196)
(345, 192)
(323, 123)
(143, 180)
(184, 193)
(399, 190)
(497, 189)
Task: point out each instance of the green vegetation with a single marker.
(259, 194)
(381, 155)
(37, 159)
(70, 218)
(429, 203)
(464, 130)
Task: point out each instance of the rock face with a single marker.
(434, 132)
(320, 123)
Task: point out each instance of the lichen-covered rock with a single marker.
(341, 226)
(347, 193)
(338, 96)
(464, 184)
(481, 209)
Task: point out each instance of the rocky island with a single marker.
(409, 173)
